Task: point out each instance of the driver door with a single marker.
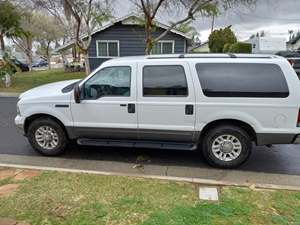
(108, 106)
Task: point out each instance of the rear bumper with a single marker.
(272, 139)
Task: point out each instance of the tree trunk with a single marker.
(64, 59)
(74, 55)
(87, 63)
(29, 53)
(48, 56)
(2, 45)
(29, 60)
(149, 43)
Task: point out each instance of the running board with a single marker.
(138, 144)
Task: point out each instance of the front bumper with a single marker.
(20, 121)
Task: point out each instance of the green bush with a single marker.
(6, 66)
(240, 47)
(226, 48)
(233, 48)
(219, 38)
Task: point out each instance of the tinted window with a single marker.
(164, 81)
(110, 81)
(242, 80)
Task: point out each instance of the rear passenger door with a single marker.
(165, 102)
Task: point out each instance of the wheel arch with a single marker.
(245, 126)
(33, 117)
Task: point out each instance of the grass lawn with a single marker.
(81, 199)
(27, 80)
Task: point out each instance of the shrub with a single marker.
(219, 38)
(227, 47)
(240, 47)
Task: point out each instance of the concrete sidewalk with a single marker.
(9, 94)
(164, 172)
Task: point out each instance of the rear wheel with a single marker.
(226, 146)
(47, 137)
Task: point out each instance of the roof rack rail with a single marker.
(209, 56)
(232, 55)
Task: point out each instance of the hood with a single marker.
(47, 90)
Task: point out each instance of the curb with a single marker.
(197, 181)
(9, 94)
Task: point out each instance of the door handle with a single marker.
(123, 105)
(189, 109)
(131, 108)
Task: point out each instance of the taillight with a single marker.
(298, 122)
(292, 62)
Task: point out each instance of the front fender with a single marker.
(62, 114)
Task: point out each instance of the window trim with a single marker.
(165, 41)
(165, 96)
(254, 95)
(107, 41)
(110, 96)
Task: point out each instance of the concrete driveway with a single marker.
(278, 159)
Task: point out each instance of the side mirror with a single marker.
(77, 94)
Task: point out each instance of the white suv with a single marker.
(219, 104)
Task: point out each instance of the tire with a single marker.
(226, 146)
(44, 132)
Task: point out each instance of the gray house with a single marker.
(125, 37)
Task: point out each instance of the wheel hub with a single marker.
(226, 147)
(46, 137)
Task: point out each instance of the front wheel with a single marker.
(226, 146)
(47, 137)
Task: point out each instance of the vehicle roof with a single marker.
(197, 56)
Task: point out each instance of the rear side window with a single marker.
(242, 80)
(164, 81)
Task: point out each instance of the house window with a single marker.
(108, 48)
(163, 47)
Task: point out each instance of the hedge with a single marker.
(226, 47)
(239, 47)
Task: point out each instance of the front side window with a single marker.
(107, 48)
(110, 81)
(254, 80)
(164, 81)
(163, 47)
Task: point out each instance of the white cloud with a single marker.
(276, 17)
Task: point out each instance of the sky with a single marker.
(275, 17)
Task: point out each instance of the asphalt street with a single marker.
(282, 159)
